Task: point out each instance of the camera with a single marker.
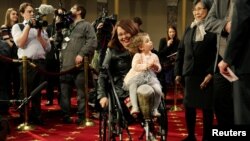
(39, 22)
(108, 22)
(64, 21)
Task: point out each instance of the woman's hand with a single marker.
(206, 81)
(170, 42)
(104, 102)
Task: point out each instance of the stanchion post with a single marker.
(175, 107)
(25, 125)
(88, 122)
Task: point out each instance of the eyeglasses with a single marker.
(198, 9)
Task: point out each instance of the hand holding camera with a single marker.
(31, 23)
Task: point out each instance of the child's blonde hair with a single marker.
(136, 42)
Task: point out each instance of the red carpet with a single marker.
(55, 130)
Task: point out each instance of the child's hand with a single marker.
(150, 63)
(155, 68)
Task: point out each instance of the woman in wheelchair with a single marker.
(118, 60)
(145, 65)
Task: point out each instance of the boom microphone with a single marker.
(45, 9)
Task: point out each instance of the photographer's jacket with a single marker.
(79, 39)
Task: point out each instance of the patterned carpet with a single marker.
(55, 130)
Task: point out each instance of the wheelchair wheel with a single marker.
(163, 121)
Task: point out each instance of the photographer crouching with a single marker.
(33, 42)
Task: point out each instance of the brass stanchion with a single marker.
(25, 125)
(175, 107)
(88, 122)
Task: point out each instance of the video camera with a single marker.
(65, 19)
(108, 21)
(42, 11)
(39, 22)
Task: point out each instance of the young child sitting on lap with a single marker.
(145, 65)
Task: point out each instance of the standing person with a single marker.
(194, 64)
(218, 21)
(52, 58)
(9, 79)
(104, 29)
(237, 55)
(168, 46)
(119, 57)
(79, 41)
(33, 43)
(145, 65)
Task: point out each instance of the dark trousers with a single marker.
(5, 89)
(15, 81)
(68, 82)
(190, 116)
(53, 66)
(242, 100)
(34, 79)
(223, 100)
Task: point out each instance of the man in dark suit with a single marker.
(237, 55)
(218, 21)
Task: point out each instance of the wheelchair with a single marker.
(112, 121)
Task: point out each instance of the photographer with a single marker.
(104, 26)
(52, 58)
(33, 43)
(79, 41)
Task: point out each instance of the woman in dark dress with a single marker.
(167, 47)
(194, 64)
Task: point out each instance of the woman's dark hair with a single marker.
(207, 3)
(129, 26)
(175, 29)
